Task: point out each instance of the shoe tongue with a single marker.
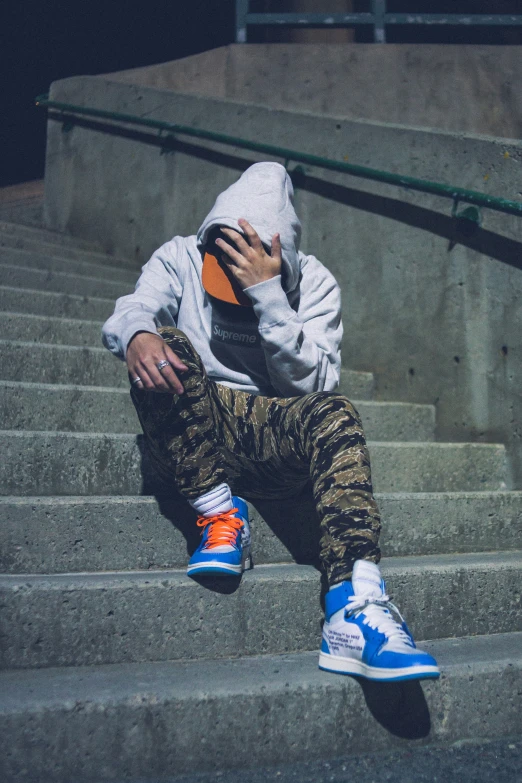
(366, 579)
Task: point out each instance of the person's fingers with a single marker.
(232, 256)
(154, 380)
(172, 380)
(135, 380)
(159, 382)
(238, 239)
(276, 247)
(133, 374)
(146, 382)
(169, 379)
(235, 270)
(176, 362)
(167, 371)
(252, 235)
(232, 234)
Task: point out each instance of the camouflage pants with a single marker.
(267, 448)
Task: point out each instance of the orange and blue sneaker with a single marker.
(225, 544)
(361, 636)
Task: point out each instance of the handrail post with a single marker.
(241, 14)
(379, 14)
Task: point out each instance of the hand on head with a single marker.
(250, 263)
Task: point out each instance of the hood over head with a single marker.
(263, 195)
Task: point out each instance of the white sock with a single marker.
(366, 578)
(214, 502)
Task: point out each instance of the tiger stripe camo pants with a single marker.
(267, 448)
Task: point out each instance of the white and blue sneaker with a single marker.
(225, 544)
(361, 636)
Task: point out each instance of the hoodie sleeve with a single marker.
(302, 349)
(155, 301)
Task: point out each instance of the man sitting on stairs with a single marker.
(232, 342)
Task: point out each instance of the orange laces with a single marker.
(224, 528)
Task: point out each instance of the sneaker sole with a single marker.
(333, 663)
(217, 567)
(214, 568)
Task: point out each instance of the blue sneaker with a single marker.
(225, 546)
(361, 637)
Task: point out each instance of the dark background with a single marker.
(58, 38)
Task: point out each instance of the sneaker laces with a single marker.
(223, 530)
(378, 616)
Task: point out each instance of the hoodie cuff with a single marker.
(270, 302)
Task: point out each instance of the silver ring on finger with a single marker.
(136, 380)
(162, 364)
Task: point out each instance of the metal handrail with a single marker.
(411, 183)
(378, 17)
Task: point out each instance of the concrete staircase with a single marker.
(22, 203)
(119, 667)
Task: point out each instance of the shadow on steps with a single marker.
(292, 521)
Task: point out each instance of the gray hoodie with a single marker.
(288, 344)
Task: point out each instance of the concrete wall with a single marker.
(434, 313)
(459, 88)
(202, 74)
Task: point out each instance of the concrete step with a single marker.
(73, 331)
(38, 406)
(48, 303)
(140, 721)
(66, 408)
(58, 463)
(28, 211)
(115, 617)
(22, 203)
(472, 761)
(41, 363)
(95, 366)
(357, 385)
(43, 280)
(68, 252)
(38, 234)
(59, 534)
(46, 329)
(48, 260)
